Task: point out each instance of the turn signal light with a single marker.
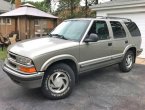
(27, 70)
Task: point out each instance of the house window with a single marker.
(36, 22)
(6, 21)
(3, 21)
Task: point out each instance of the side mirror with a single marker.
(92, 38)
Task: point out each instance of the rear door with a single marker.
(120, 40)
(135, 34)
(138, 18)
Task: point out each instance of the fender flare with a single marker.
(59, 58)
(127, 48)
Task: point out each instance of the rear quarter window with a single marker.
(133, 29)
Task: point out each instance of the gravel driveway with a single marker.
(103, 89)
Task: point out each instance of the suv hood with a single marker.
(34, 47)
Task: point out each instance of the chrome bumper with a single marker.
(28, 81)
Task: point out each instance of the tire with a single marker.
(58, 81)
(127, 62)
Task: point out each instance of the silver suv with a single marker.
(73, 47)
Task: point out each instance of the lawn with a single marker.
(3, 54)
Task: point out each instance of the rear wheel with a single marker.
(58, 81)
(127, 62)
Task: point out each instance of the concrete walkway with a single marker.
(140, 61)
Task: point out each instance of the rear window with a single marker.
(133, 29)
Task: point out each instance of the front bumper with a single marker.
(28, 81)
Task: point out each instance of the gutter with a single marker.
(117, 5)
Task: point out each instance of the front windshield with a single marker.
(71, 29)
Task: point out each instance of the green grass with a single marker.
(3, 54)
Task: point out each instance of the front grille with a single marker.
(12, 60)
(12, 64)
(12, 56)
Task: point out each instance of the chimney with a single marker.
(17, 3)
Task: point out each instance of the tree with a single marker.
(93, 2)
(40, 5)
(88, 3)
(68, 5)
(48, 4)
(11, 1)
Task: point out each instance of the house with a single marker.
(5, 7)
(27, 21)
(133, 9)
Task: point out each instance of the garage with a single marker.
(134, 10)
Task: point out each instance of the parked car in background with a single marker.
(73, 47)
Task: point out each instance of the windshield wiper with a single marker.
(58, 36)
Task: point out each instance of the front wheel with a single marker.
(58, 81)
(127, 62)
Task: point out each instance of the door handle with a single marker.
(126, 41)
(109, 44)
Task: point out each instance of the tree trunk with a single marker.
(48, 2)
(86, 8)
(97, 1)
(71, 6)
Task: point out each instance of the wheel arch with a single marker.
(67, 59)
(131, 48)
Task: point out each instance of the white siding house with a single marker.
(133, 9)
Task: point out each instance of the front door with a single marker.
(94, 53)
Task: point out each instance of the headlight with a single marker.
(24, 61)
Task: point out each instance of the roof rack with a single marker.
(107, 17)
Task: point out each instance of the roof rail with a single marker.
(107, 17)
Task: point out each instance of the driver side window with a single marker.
(100, 28)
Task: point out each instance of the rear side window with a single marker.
(133, 29)
(118, 30)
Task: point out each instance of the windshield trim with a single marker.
(87, 30)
